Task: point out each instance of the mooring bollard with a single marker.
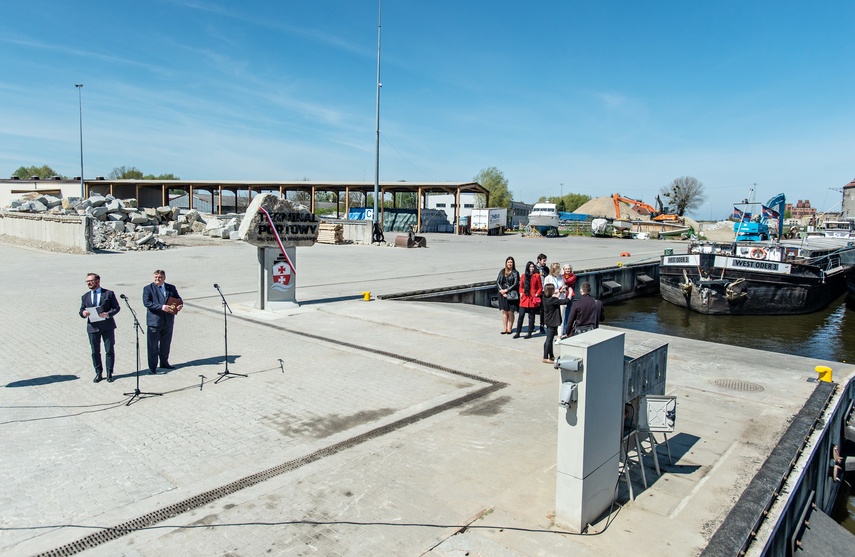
(824, 373)
(366, 296)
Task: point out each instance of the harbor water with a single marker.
(825, 335)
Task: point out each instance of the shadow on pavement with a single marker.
(46, 380)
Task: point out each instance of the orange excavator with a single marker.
(644, 209)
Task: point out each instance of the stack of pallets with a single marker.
(330, 234)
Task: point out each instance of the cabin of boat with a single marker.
(544, 218)
(835, 229)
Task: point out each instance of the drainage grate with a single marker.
(737, 385)
(152, 518)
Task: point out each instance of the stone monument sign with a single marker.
(277, 227)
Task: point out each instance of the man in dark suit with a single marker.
(587, 312)
(104, 306)
(160, 319)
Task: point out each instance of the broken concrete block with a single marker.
(145, 239)
(51, 201)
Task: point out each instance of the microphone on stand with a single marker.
(122, 296)
(217, 286)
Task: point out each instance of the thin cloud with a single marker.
(613, 100)
(29, 43)
(312, 34)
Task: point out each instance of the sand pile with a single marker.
(605, 207)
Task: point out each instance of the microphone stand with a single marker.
(226, 373)
(137, 394)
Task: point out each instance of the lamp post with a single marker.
(376, 215)
(80, 104)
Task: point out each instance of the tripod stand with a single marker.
(226, 373)
(137, 394)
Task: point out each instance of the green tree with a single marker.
(568, 203)
(684, 194)
(168, 176)
(44, 172)
(125, 173)
(494, 180)
(407, 200)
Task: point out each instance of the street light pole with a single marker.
(80, 103)
(376, 215)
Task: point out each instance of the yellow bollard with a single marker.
(620, 263)
(366, 296)
(824, 373)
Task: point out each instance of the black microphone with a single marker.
(217, 286)
(122, 296)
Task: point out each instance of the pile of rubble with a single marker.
(120, 224)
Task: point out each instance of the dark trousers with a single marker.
(548, 351)
(109, 339)
(523, 313)
(565, 328)
(541, 310)
(158, 340)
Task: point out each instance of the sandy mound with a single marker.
(605, 207)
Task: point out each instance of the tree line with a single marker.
(45, 172)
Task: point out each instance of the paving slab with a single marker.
(381, 427)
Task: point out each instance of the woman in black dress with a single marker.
(508, 283)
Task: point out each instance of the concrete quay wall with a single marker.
(609, 284)
(66, 233)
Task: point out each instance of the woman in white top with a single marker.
(554, 277)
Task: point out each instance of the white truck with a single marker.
(490, 221)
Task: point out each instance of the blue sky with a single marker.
(601, 97)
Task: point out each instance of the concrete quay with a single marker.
(388, 427)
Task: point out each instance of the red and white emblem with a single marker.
(281, 276)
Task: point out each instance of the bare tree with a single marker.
(684, 194)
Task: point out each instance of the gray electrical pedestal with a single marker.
(591, 371)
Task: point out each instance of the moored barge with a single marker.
(758, 278)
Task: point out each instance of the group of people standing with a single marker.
(541, 290)
(99, 305)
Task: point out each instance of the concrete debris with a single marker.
(119, 224)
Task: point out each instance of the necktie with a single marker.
(92, 296)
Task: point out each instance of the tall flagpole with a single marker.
(376, 217)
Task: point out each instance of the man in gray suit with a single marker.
(100, 324)
(160, 319)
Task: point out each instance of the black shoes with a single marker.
(528, 335)
(167, 366)
(110, 378)
(517, 335)
(152, 371)
(97, 379)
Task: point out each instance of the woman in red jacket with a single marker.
(531, 288)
